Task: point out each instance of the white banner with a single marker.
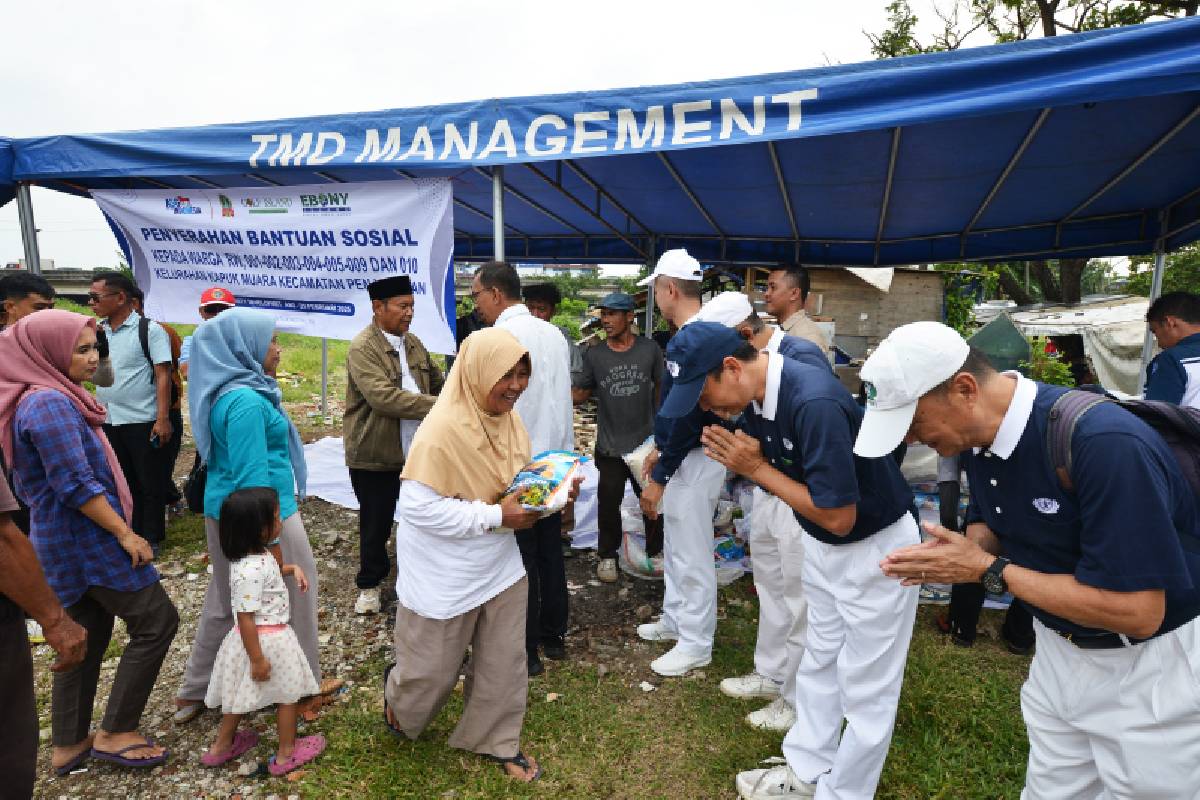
(303, 253)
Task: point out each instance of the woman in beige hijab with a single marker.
(460, 579)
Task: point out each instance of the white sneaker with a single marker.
(368, 602)
(606, 571)
(656, 632)
(776, 716)
(676, 662)
(749, 687)
(769, 784)
(657, 565)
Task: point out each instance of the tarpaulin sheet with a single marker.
(7, 189)
(1112, 332)
(1064, 146)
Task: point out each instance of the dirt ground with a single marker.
(602, 631)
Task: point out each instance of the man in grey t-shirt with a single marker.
(623, 373)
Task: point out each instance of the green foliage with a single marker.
(571, 312)
(897, 40)
(1180, 274)
(1046, 367)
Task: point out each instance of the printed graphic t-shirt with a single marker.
(623, 385)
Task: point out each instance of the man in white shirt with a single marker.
(546, 409)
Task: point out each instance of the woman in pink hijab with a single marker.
(79, 507)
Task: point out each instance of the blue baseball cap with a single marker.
(617, 301)
(697, 349)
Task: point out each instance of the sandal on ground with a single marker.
(185, 714)
(519, 760)
(120, 760)
(392, 729)
(75, 763)
(305, 750)
(243, 740)
(330, 686)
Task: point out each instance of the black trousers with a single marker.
(611, 490)
(541, 550)
(966, 601)
(377, 493)
(19, 733)
(151, 621)
(173, 494)
(147, 470)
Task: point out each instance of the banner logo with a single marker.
(326, 203)
(226, 205)
(267, 205)
(181, 205)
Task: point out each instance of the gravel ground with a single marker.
(602, 631)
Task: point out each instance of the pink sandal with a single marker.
(243, 740)
(305, 750)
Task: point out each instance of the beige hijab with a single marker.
(461, 450)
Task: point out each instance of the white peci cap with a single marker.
(911, 361)
(728, 308)
(675, 264)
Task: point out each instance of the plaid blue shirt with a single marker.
(58, 465)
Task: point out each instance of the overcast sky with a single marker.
(70, 67)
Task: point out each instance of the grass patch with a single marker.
(959, 732)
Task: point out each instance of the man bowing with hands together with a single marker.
(1108, 560)
(796, 443)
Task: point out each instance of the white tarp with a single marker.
(1113, 332)
(303, 253)
(879, 277)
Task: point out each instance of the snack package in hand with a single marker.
(636, 459)
(545, 483)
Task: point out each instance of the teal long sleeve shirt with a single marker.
(249, 448)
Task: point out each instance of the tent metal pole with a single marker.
(1120, 176)
(324, 378)
(33, 261)
(1008, 168)
(887, 192)
(534, 204)
(651, 246)
(498, 212)
(1156, 282)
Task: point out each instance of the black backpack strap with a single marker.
(1064, 416)
(144, 338)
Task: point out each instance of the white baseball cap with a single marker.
(911, 361)
(675, 264)
(728, 308)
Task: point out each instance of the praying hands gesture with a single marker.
(737, 451)
(948, 557)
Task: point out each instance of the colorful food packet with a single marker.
(545, 482)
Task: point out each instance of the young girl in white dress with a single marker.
(260, 662)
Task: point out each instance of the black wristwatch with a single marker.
(993, 578)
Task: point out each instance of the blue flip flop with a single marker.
(392, 729)
(133, 763)
(75, 763)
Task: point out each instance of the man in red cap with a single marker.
(213, 301)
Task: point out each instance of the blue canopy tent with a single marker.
(1079, 145)
(1073, 146)
(8, 189)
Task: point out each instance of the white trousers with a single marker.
(689, 575)
(859, 626)
(777, 550)
(1121, 723)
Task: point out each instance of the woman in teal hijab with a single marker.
(246, 440)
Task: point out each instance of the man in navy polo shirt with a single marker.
(1109, 568)
(1174, 374)
(797, 444)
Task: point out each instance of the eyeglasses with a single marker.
(95, 297)
(475, 295)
